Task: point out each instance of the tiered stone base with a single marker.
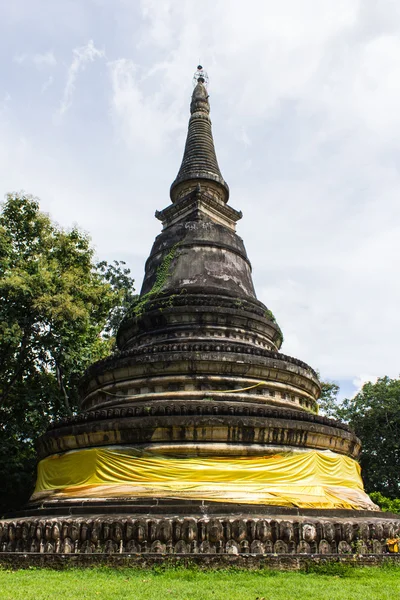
(187, 528)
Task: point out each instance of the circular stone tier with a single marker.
(151, 526)
(193, 346)
(202, 429)
(178, 316)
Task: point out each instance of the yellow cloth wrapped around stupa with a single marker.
(312, 479)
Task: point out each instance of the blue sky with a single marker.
(94, 104)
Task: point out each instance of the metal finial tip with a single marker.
(200, 76)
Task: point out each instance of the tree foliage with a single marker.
(59, 312)
(374, 414)
(328, 402)
(386, 504)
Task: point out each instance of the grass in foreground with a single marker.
(333, 583)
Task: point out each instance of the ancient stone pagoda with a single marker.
(198, 435)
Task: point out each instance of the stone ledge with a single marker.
(212, 346)
(197, 304)
(239, 433)
(160, 507)
(186, 410)
(283, 562)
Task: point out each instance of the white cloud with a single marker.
(361, 380)
(49, 81)
(39, 60)
(47, 59)
(5, 102)
(145, 120)
(314, 86)
(159, 16)
(81, 57)
(244, 137)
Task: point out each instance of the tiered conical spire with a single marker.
(199, 158)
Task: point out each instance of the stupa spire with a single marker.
(199, 163)
(198, 435)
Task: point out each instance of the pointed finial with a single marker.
(199, 164)
(200, 94)
(200, 76)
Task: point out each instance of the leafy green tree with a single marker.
(118, 277)
(386, 504)
(374, 414)
(328, 402)
(59, 312)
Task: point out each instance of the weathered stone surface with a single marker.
(237, 533)
(281, 562)
(244, 434)
(199, 162)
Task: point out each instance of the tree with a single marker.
(374, 414)
(328, 402)
(59, 312)
(386, 504)
(118, 277)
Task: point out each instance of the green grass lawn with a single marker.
(191, 584)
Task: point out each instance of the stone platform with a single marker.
(155, 526)
(275, 562)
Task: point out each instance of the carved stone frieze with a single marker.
(192, 535)
(199, 422)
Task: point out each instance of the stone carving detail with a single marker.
(376, 547)
(328, 531)
(309, 532)
(257, 547)
(361, 547)
(181, 548)
(191, 535)
(87, 548)
(324, 547)
(263, 531)
(388, 530)
(280, 547)
(304, 547)
(215, 530)
(232, 547)
(269, 547)
(196, 346)
(207, 548)
(344, 547)
(286, 531)
(158, 547)
(182, 409)
(363, 531)
(239, 530)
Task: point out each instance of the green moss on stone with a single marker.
(162, 274)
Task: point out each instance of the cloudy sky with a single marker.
(305, 103)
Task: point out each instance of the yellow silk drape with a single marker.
(307, 479)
